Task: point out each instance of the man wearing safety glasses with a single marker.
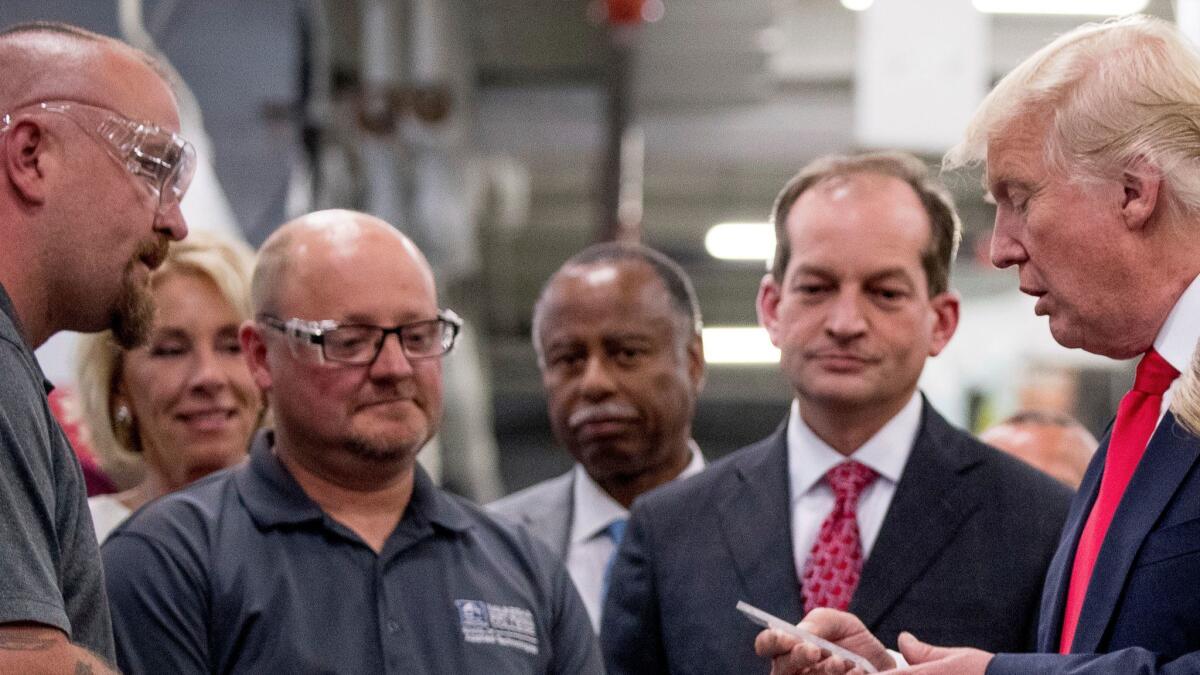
(91, 174)
(331, 550)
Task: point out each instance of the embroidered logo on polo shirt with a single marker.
(488, 624)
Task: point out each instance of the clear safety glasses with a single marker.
(163, 160)
(359, 344)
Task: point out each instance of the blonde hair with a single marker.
(1111, 94)
(1185, 402)
(224, 261)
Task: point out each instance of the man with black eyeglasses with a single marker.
(331, 550)
(91, 174)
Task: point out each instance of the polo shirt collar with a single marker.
(433, 504)
(270, 493)
(273, 497)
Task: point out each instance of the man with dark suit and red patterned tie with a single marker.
(865, 497)
(1091, 148)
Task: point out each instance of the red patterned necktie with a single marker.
(1136, 418)
(835, 562)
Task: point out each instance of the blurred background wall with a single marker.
(504, 135)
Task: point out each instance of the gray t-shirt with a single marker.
(49, 563)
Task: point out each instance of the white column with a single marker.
(921, 69)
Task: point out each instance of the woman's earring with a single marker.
(123, 428)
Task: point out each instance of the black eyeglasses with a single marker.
(359, 344)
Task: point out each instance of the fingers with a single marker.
(780, 646)
(832, 624)
(792, 656)
(835, 665)
(806, 659)
(917, 652)
(771, 643)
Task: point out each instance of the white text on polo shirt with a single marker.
(485, 623)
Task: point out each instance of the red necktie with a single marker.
(1136, 418)
(831, 573)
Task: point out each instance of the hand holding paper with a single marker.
(826, 641)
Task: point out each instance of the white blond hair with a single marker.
(1112, 94)
(1185, 402)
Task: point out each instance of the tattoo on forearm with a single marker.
(25, 643)
(82, 668)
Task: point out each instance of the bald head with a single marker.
(81, 229)
(354, 423)
(53, 61)
(1055, 443)
(312, 245)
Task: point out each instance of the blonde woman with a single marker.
(184, 404)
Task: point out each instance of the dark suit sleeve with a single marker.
(630, 631)
(160, 615)
(1131, 661)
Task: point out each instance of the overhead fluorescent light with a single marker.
(743, 345)
(741, 241)
(858, 5)
(1075, 7)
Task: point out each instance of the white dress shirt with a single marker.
(1177, 338)
(590, 547)
(809, 458)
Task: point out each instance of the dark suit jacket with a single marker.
(1141, 613)
(960, 557)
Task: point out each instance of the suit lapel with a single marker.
(1058, 575)
(551, 522)
(755, 520)
(926, 511)
(1168, 458)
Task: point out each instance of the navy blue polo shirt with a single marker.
(243, 573)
